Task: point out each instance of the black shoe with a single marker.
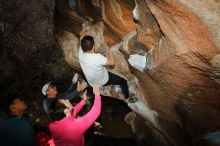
(132, 99)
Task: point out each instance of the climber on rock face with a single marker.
(93, 66)
(50, 91)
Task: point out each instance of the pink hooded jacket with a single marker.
(70, 130)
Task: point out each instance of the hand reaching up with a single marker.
(81, 86)
(96, 90)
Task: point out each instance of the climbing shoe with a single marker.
(131, 99)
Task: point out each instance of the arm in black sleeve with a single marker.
(72, 86)
(71, 93)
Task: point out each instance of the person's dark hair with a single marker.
(7, 101)
(52, 84)
(87, 43)
(56, 110)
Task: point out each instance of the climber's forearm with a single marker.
(111, 59)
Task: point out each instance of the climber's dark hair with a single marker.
(56, 110)
(87, 43)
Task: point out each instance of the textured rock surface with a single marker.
(179, 88)
(29, 56)
(181, 39)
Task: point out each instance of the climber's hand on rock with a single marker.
(116, 47)
(82, 34)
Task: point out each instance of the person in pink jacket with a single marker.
(67, 129)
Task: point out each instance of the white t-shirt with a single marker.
(93, 68)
